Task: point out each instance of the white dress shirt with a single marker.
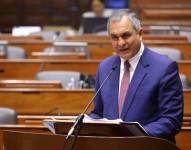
(133, 64)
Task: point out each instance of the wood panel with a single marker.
(59, 55)
(30, 67)
(41, 13)
(42, 101)
(33, 101)
(187, 102)
(39, 141)
(102, 39)
(165, 14)
(38, 119)
(100, 46)
(30, 84)
(105, 50)
(136, 5)
(24, 128)
(103, 44)
(183, 138)
(10, 37)
(31, 45)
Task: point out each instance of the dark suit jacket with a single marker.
(154, 98)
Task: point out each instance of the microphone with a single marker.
(78, 122)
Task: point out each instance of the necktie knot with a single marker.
(126, 64)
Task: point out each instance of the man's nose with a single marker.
(121, 41)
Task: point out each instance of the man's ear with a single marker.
(141, 34)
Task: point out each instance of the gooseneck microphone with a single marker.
(77, 125)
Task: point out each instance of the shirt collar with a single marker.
(134, 60)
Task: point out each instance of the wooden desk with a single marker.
(43, 101)
(101, 51)
(103, 42)
(187, 102)
(165, 14)
(30, 84)
(104, 39)
(59, 56)
(30, 45)
(12, 69)
(38, 119)
(29, 67)
(10, 37)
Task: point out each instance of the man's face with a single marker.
(125, 40)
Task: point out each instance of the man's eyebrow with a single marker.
(121, 34)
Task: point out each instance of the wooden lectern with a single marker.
(92, 136)
(14, 140)
(97, 128)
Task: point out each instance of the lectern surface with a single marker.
(39, 141)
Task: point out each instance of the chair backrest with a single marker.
(73, 47)
(14, 52)
(46, 35)
(187, 34)
(185, 81)
(172, 53)
(8, 116)
(51, 35)
(69, 79)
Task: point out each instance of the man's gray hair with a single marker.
(118, 14)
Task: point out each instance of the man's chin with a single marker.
(126, 57)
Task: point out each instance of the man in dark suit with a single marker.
(154, 95)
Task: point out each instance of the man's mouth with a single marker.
(123, 49)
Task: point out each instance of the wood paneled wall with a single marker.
(41, 12)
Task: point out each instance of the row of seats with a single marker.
(13, 52)
(71, 79)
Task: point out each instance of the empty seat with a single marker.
(14, 52)
(70, 48)
(172, 53)
(187, 34)
(52, 35)
(66, 77)
(8, 116)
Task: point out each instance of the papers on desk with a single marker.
(97, 126)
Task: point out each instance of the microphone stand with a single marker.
(78, 123)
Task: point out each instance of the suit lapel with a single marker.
(139, 75)
(114, 86)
